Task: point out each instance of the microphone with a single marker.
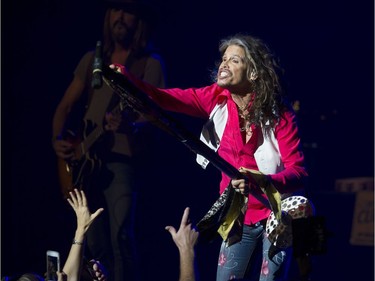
(97, 66)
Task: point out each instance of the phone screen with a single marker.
(53, 265)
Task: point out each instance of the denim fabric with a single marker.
(248, 259)
(110, 238)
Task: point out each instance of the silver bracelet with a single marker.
(77, 242)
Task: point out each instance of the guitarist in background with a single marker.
(108, 177)
(252, 127)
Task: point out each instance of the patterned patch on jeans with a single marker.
(222, 259)
(264, 270)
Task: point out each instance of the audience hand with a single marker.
(98, 270)
(186, 237)
(79, 204)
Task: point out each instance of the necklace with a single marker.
(246, 131)
(244, 122)
(245, 127)
(242, 102)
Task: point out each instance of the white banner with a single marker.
(363, 219)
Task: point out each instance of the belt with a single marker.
(261, 222)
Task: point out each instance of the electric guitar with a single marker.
(294, 207)
(77, 173)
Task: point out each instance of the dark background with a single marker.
(327, 50)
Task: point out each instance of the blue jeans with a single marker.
(248, 259)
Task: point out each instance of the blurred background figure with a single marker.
(108, 163)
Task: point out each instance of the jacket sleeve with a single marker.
(292, 178)
(196, 102)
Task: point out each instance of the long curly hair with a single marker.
(268, 103)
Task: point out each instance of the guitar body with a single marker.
(65, 177)
(78, 173)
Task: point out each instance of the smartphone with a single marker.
(53, 265)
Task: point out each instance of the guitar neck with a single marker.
(94, 135)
